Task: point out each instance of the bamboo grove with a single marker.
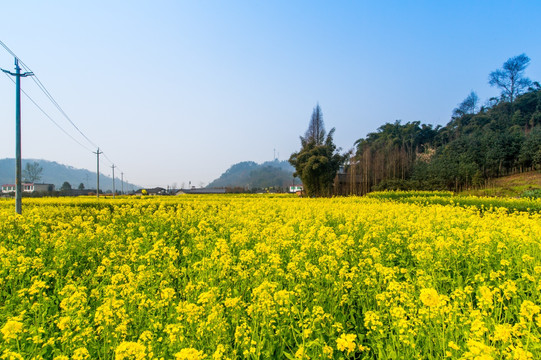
(501, 137)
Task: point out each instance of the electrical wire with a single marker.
(8, 50)
(42, 87)
(50, 118)
(35, 78)
(107, 157)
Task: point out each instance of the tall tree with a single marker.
(510, 78)
(318, 161)
(467, 106)
(32, 172)
(316, 128)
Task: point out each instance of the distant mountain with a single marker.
(55, 173)
(250, 175)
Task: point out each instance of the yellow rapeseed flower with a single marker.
(430, 297)
(502, 332)
(300, 354)
(11, 355)
(173, 273)
(346, 342)
(129, 350)
(528, 309)
(328, 351)
(80, 354)
(11, 329)
(190, 354)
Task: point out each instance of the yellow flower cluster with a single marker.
(11, 329)
(257, 277)
(346, 342)
(429, 297)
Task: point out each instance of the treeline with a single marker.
(471, 149)
(479, 143)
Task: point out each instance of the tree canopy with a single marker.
(478, 143)
(318, 160)
(32, 172)
(510, 78)
(66, 187)
(316, 127)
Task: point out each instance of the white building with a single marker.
(28, 187)
(295, 188)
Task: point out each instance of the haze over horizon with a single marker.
(177, 91)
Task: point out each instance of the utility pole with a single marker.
(98, 172)
(122, 182)
(113, 167)
(18, 185)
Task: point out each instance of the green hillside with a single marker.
(55, 173)
(475, 148)
(527, 184)
(482, 142)
(252, 176)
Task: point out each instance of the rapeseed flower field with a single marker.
(263, 277)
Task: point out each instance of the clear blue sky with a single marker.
(177, 91)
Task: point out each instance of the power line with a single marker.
(58, 125)
(9, 51)
(48, 94)
(107, 157)
(50, 118)
(42, 87)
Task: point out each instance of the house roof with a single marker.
(156, 190)
(201, 191)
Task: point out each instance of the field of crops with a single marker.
(259, 277)
(448, 198)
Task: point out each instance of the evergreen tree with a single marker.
(316, 128)
(318, 161)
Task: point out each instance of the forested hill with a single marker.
(478, 144)
(250, 175)
(55, 173)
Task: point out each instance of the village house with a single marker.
(153, 191)
(28, 187)
(297, 189)
(200, 191)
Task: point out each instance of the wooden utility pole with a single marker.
(18, 184)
